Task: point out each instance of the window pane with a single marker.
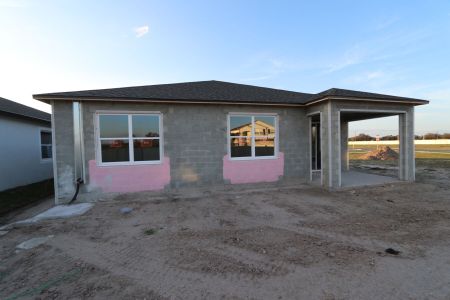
(264, 126)
(113, 126)
(145, 126)
(46, 151)
(145, 150)
(115, 150)
(264, 146)
(241, 147)
(240, 126)
(46, 137)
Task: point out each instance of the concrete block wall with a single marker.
(64, 151)
(407, 163)
(195, 140)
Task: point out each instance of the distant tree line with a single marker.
(428, 136)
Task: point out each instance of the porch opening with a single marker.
(370, 151)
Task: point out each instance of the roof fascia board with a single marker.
(45, 99)
(418, 102)
(48, 99)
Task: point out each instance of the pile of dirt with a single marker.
(384, 153)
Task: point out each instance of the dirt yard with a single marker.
(259, 242)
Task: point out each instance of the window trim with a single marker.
(131, 162)
(252, 115)
(49, 130)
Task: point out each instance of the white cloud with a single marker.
(382, 48)
(141, 31)
(374, 75)
(263, 66)
(351, 57)
(387, 22)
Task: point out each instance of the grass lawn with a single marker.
(427, 156)
(439, 152)
(23, 195)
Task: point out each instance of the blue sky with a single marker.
(393, 47)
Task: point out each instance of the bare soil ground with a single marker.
(258, 242)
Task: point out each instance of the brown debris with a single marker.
(383, 153)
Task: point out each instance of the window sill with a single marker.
(252, 158)
(118, 164)
(46, 160)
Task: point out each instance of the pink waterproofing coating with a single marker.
(126, 179)
(252, 171)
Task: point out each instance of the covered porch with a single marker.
(329, 123)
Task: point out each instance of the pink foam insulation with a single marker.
(253, 171)
(125, 179)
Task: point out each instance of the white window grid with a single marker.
(253, 137)
(130, 139)
(48, 146)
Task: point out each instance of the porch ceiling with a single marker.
(349, 116)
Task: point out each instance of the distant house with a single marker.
(210, 133)
(25, 145)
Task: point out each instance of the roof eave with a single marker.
(25, 116)
(48, 99)
(406, 101)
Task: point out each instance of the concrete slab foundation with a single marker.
(60, 211)
(354, 179)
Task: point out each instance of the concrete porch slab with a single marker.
(354, 179)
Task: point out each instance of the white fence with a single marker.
(417, 142)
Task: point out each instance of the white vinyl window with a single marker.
(252, 136)
(133, 138)
(46, 144)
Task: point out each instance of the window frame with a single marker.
(49, 130)
(130, 138)
(253, 137)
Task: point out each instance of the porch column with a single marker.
(344, 146)
(331, 147)
(406, 145)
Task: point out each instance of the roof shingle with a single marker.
(15, 108)
(214, 91)
(334, 92)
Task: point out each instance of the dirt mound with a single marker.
(384, 153)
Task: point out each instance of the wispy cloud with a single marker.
(368, 79)
(388, 22)
(265, 66)
(140, 31)
(374, 75)
(382, 48)
(351, 57)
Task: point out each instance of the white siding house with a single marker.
(25, 145)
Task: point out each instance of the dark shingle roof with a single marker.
(191, 91)
(15, 108)
(212, 91)
(358, 94)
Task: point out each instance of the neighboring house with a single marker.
(210, 132)
(26, 145)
